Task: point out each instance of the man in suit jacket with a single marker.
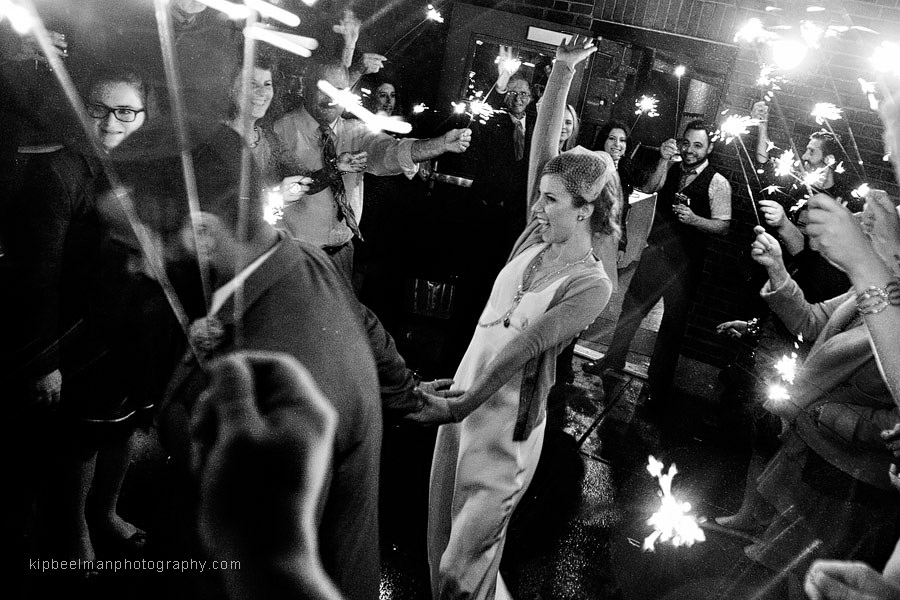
(292, 300)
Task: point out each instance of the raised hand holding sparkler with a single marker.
(507, 65)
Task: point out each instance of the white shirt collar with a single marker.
(221, 295)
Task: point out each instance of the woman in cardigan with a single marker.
(551, 288)
(829, 481)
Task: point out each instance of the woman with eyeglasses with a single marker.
(92, 329)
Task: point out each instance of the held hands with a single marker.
(574, 51)
(435, 409)
(45, 390)
(352, 162)
(457, 140)
(261, 440)
(846, 580)
(835, 233)
(760, 112)
(668, 149)
(773, 213)
(733, 329)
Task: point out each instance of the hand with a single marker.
(434, 411)
(457, 140)
(881, 223)
(620, 258)
(439, 387)
(773, 213)
(352, 162)
(349, 28)
(733, 329)
(889, 109)
(760, 112)
(30, 50)
(45, 390)
(292, 188)
(426, 168)
(846, 580)
(684, 214)
(261, 441)
(766, 251)
(891, 439)
(371, 62)
(668, 149)
(577, 49)
(507, 65)
(836, 234)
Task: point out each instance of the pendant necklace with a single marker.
(528, 283)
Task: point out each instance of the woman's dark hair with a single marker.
(267, 61)
(607, 128)
(131, 75)
(582, 175)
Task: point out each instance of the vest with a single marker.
(668, 232)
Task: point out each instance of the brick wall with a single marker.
(828, 75)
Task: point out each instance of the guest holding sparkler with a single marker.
(551, 289)
(98, 353)
(692, 207)
(829, 481)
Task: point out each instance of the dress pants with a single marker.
(672, 276)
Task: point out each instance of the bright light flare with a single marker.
(510, 65)
(418, 109)
(811, 33)
(273, 206)
(868, 88)
(788, 54)
(230, 9)
(21, 20)
(826, 111)
(295, 44)
(350, 103)
(433, 14)
(680, 70)
(459, 107)
(814, 178)
(671, 523)
(735, 126)
(273, 12)
(646, 104)
(753, 31)
(784, 164)
(786, 367)
(862, 191)
(778, 393)
(887, 58)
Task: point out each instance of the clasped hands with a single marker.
(434, 408)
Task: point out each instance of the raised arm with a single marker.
(545, 142)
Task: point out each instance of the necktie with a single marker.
(329, 161)
(685, 176)
(519, 138)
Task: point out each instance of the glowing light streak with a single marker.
(295, 44)
(786, 367)
(18, 17)
(432, 14)
(350, 103)
(826, 111)
(270, 11)
(418, 109)
(671, 523)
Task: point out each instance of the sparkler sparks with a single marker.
(432, 14)
(350, 103)
(510, 65)
(778, 393)
(753, 31)
(826, 111)
(786, 367)
(671, 523)
(418, 109)
(735, 126)
(784, 164)
(646, 104)
(814, 178)
(273, 206)
(680, 70)
(459, 107)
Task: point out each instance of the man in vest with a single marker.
(693, 204)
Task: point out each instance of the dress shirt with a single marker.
(314, 218)
(719, 191)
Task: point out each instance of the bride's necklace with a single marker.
(529, 282)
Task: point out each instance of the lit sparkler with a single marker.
(814, 178)
(433, 14)
(296, 44)
(784, 164)
(418, 109)
(19, 18)
(862, 191)
(270, 11)
(826, 111)
(510, 65)
(735, 126)
(778, 393)
(680, 70)
(458, 107)
(273, 206)
(646, 104)
(229, 9)
(753, 31)
(811, 33)
(786, 367)
(350, 103)
(671, 523)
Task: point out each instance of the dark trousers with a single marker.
(673, 278)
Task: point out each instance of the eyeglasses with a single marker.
(125, 115)
(520, 95)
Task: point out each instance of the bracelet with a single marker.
(873, 299)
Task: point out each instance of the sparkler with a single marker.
(296, 44)
(784, 164)
(233, 11)
(868, 88)
(825, 112)
(672, 521)
(733, 127)
(270, 11)
(432, 14)
(786, 367)
(350, 103)
(753, 31)
(679, 71)
(273, 206)
(418, 109)
(886, 58)
(646, 104)
(778, 393)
